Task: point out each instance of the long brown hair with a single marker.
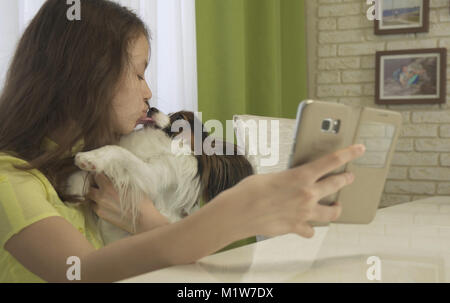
(66, 71)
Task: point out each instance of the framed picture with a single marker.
(411, 76)
(402, 16)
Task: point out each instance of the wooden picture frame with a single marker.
(411, 76)
(403, 20)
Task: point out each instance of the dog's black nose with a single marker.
(151, 111)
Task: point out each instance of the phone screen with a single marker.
(378, 138)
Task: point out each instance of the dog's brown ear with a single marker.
(192, 120)
(221, 172)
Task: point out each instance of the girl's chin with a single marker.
(126, 131)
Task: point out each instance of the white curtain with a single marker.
(172, 73)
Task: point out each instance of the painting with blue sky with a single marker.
(399, 14)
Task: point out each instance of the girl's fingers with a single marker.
(329, 163)
(306, 231)
(325, 213)
(105, 185)
(95, 207)
(333, 184)
(92, 194)
(100, 179)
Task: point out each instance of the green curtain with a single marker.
(251, 58)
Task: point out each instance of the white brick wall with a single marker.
(341, 59)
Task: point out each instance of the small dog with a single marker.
(159, 163)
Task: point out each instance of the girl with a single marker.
(78, 85)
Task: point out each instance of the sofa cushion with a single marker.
(278, 131)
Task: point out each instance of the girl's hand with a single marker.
(285, 202)
(107, 206)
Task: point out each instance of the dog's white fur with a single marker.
(146, 162)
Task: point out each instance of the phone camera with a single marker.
(326, 125)
(331, 126)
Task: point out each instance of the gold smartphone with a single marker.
(325, 127)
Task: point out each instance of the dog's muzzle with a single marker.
(151, 111)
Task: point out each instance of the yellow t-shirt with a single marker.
(25, 198)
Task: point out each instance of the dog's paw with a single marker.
(88, 161)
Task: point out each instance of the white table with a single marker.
(411, 242)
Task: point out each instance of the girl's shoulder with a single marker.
(9, 158)
(23, 178)
(7, 162)
(5, 155)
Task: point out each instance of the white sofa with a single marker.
(284, 137)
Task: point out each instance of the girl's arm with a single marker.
(45, 246)
(269, 204)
